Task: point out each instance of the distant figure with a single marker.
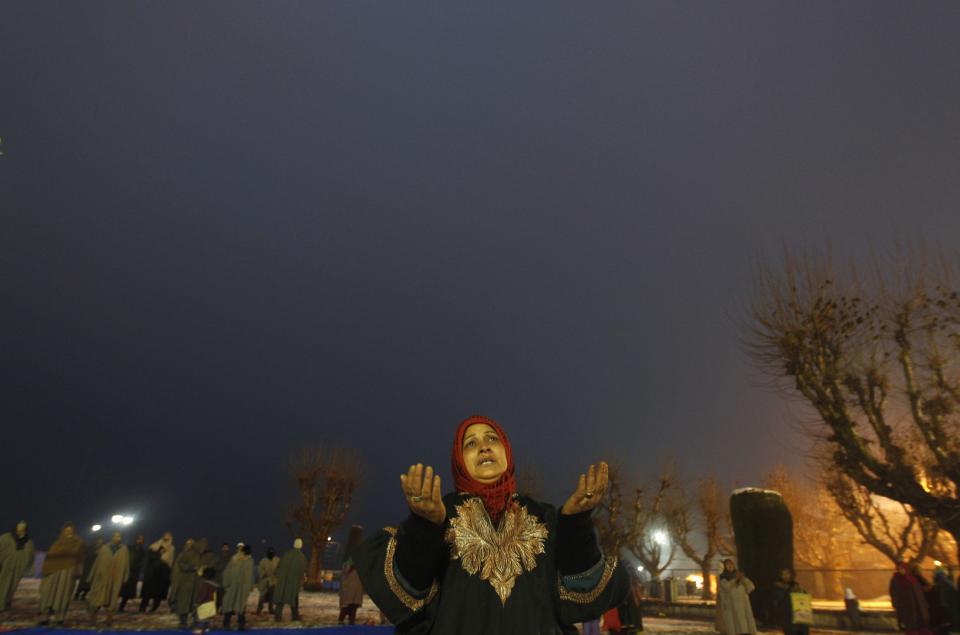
(949, 598)
(206, 591)
(351, 593)
(186, 571)
(176, 575)
(166, 548)
(156, 580)
(938, 620)
(129, 591)
(290, 571)
(221, 562)
(783, 603)
(16, 558)
(267, 572)
(89, 557)
(852, 604)
(110, 570)
(62, 566)
(906, 594)
(734, 613)
(237, 585)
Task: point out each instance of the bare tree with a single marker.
(708, 518)
(879, 366)
(642, 529)
(892, 528)
(326, 479)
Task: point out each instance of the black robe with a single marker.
(156, 577)
(129, 588)
(538, 571)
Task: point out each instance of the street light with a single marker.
(661, 538)
(126, 520)
(96, 528)
(116, 519)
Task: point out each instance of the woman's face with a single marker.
(483, 453)
(786, 575)
(68, 531)
(729, 567)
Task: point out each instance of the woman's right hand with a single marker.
(421, 487)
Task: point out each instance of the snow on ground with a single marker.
(317, 610)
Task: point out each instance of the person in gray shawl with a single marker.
(16, 558)
(110, 570)
(267, 572)
(237, 585)
(184, 580)
(61, 568)
(290, 572)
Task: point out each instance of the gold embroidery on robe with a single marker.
(496, 556)
(412, 603)
(586, 597)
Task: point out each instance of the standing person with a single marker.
(290, 571)
(485, 559)
(187, 569)
(734, 613)
(909, 603)
(783, 603)
(89, 557)
(267, 581)
(62, 566)
(166, 548)
(16, 558)
(351, 589)
(852, 606)
(220, 565)
(110, 570)
(237, 585)
(136, 552)
(949, 598)
(351, 593)
(156, 579)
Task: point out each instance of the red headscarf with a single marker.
(496, 496)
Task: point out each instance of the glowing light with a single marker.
(696, 579)
(661, 538)
(329, 538)
(639, 567)
(937, 563)
(126, 520)
(116, 519)
(96, 528)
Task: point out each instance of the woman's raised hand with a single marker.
(421, 487)
(590, 490)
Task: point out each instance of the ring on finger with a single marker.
(588, 494)
(416, 499)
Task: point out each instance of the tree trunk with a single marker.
(313, 569)
(705, 594)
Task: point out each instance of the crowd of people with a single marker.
(924, 607)
(193, 580)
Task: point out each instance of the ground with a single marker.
(317, 609)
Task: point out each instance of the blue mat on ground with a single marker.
(331, 630)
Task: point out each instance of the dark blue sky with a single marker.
(229, 228)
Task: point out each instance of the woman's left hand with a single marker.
(590, 490)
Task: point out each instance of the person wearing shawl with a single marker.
(16, 558)
(62, 566)
(484, 559)
(110, 570)
(734, 613)
(129, 590)
(237, 585)
(351, 589)
(164, 546)
(267, 580)
(186, 569)
(156, 580)
(909, 603)
(290, 572)
(783, 602)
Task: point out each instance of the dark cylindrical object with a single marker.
(763, 532)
